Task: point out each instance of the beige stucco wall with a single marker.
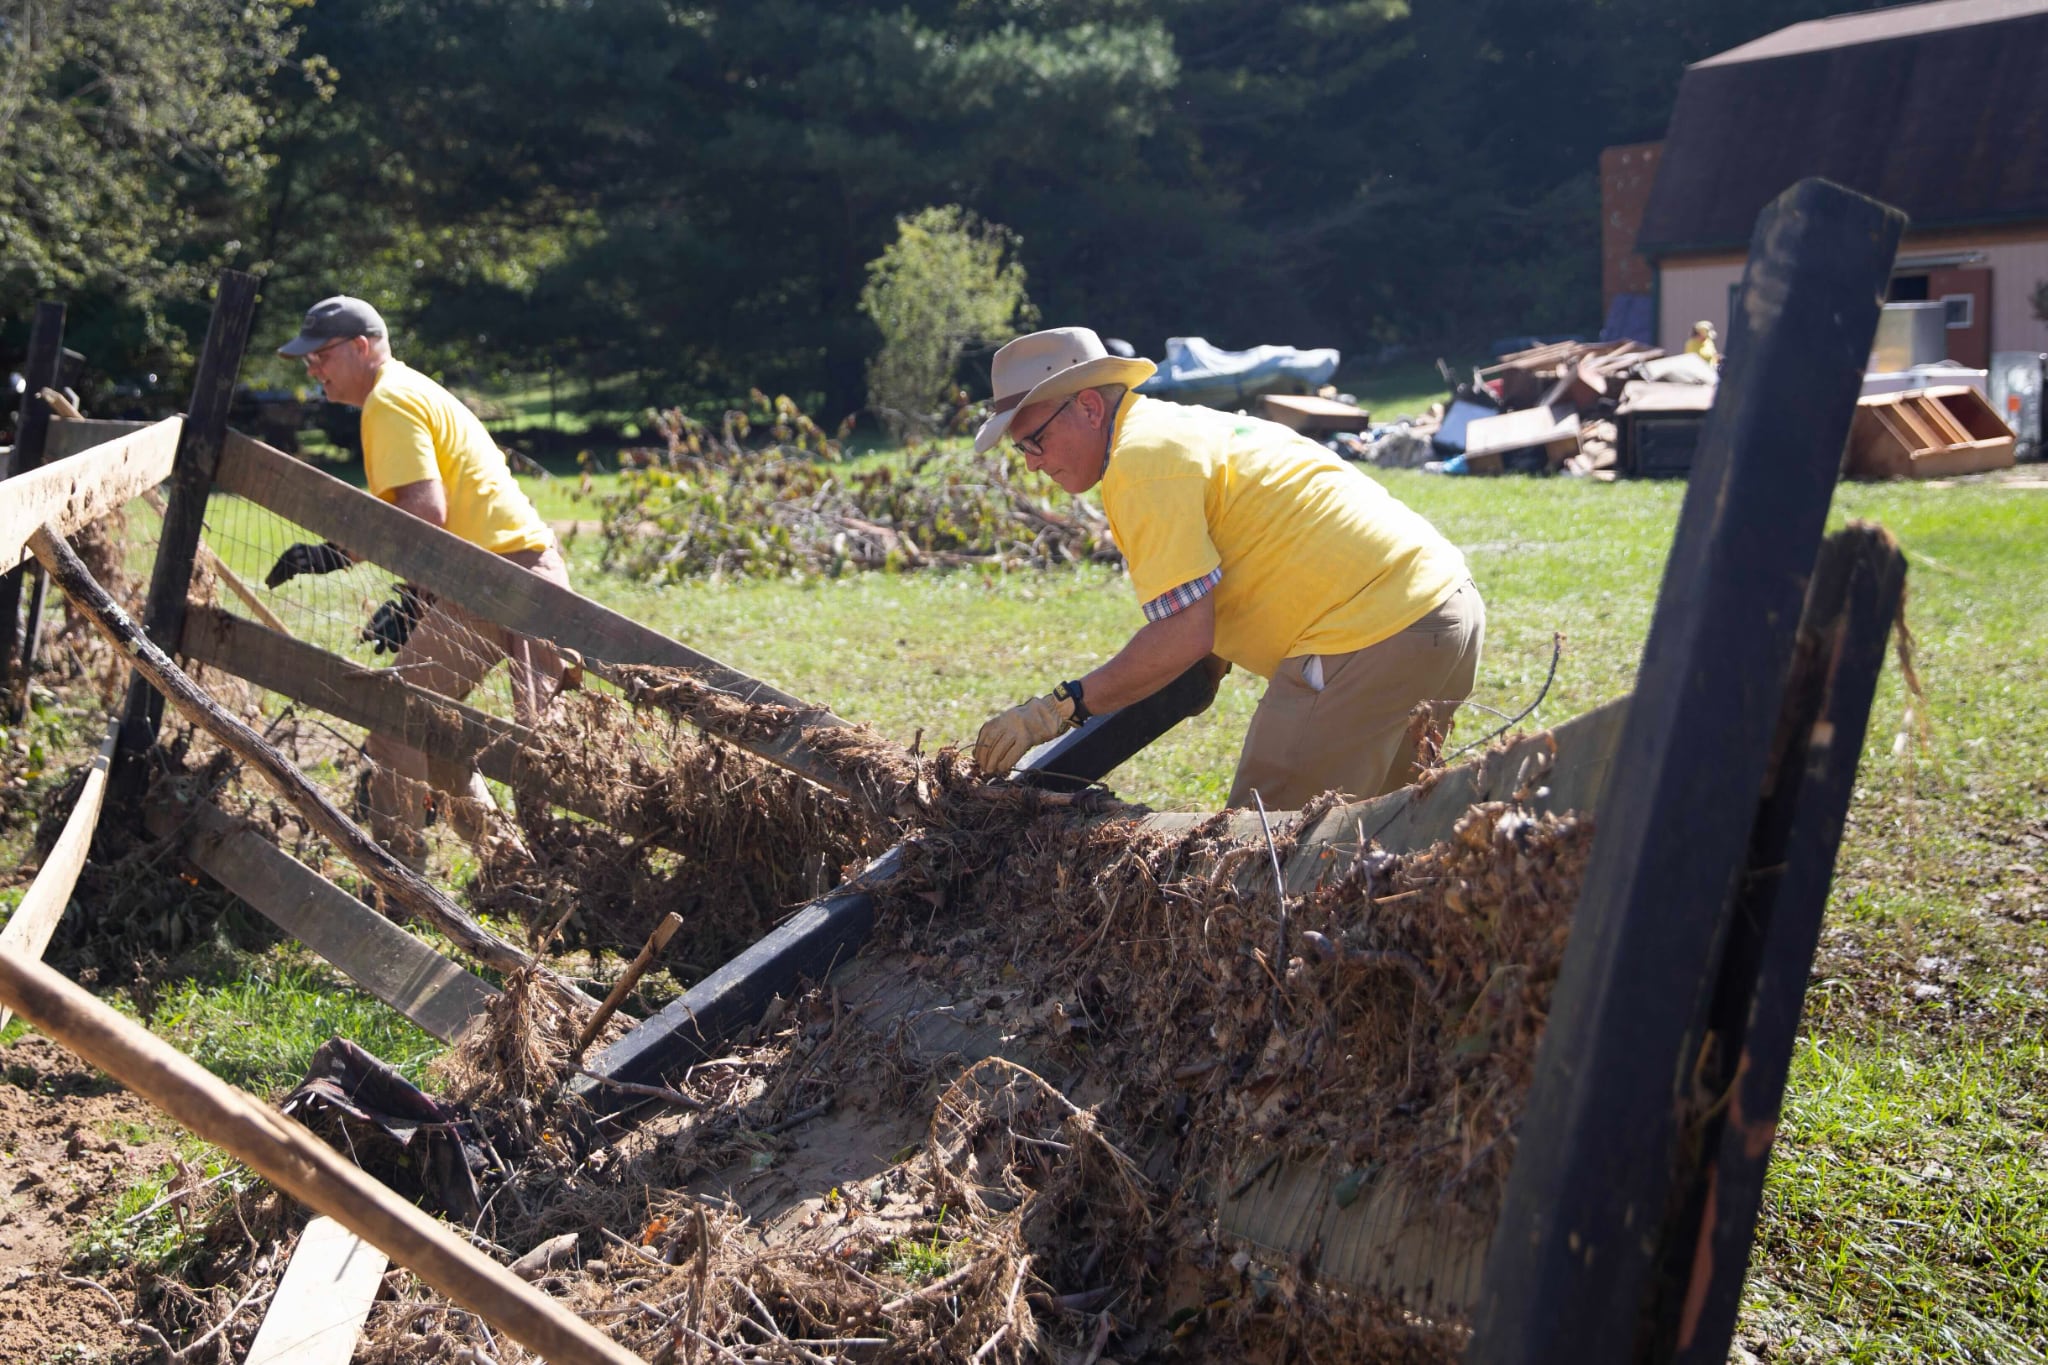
(1689, 289)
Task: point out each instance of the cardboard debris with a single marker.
(1554, 430)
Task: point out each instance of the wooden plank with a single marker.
(409, 892)
(323, 1300)
(80, 489)
(502, 592)
(1565, 769)
(1307, 412)
(1858, 585)
(170, 576)
(384, 703)
(28, 930)
(286, 1154)
(1378, 1232)
(73, 435)
(1571, 1269)
(439, 995)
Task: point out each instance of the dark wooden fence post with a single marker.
(1573, 1267)
(31, 430)
(1857, 586)
(199, 445)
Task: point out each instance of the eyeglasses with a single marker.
(318, 351)
(1028, 445)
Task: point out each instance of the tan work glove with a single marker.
(1019, 730)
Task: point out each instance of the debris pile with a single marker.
(1589, 409)
(713, 505)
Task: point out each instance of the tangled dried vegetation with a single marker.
(728, 503)
(836, 1184)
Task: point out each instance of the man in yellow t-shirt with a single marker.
(1252, 545)
(427, 454)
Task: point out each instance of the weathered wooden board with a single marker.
(79, 489)
(1552, 770)
(323, 1300)
(191, 485)
(72, 436)
(498, 590)
(1573, 1268)
(435, 993)
(28, 931)
(1375, 1232)
(377, 699)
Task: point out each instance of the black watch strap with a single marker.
(1071, 691)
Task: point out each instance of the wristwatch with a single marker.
(1070, 692)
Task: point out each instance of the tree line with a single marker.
(691, 193)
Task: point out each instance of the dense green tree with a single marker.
(690, 193)
(128, 131)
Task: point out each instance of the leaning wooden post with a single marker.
(45, 354)
(1571, 1272)
(1857, 588)
(301, 1165)
(206, 427)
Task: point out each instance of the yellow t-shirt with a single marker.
(413, 429)
(1316, 557)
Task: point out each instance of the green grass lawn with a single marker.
(1908, 1204)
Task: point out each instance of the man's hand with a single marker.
(307, 558)
(1019, 730)
(391, 626)
(1217, 667)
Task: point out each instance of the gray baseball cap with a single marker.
(329, 319)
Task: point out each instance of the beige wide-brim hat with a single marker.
(1052, 364)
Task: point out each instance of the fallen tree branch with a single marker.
(290, 1157)
(406, 888)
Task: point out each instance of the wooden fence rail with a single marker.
(28, 931)
(79, 489)
(439, 995)
(501, 592)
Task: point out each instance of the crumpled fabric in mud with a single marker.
(426, 1150)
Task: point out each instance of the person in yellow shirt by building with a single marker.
(1702, 342)
(1252, 545)
(427, 454)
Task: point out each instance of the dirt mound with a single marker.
(70, 1142)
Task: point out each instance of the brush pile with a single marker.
(1132, 1035)
(724, 504)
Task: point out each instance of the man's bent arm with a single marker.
(1161, 651)
(427, 500)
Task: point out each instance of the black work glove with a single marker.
(391, 625)
(307, 558)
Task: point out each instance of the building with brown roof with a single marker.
(1940, 109)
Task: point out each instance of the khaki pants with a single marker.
(449, 652)
(1353, 734)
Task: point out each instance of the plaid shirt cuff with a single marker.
(1179, 599)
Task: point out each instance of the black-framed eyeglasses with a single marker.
(323, 350)
(1028, 445)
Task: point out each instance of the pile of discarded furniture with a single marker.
(1593, 409)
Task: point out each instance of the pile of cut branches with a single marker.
(764, 495)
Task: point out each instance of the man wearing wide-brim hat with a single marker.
(1249, 544)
